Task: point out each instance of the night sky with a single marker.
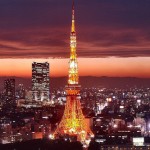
(113, 36)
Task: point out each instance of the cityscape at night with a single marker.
(75, 75)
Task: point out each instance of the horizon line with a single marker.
(79, 77)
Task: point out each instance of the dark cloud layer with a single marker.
(40, 28)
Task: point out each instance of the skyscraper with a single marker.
(40, 81)
(9, 93)
(73, 122)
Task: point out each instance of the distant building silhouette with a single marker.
(20, 91)
(40, 81)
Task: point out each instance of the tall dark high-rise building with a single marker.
(40, 81)
(9, 93)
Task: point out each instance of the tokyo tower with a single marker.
(73, 122)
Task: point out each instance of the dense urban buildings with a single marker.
(40, 81)
(116, 116)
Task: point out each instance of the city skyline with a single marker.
(101, 96)
(113, 38)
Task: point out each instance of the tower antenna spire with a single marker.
(72, 4)
(73, 18)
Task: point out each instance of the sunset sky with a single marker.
(113, 36)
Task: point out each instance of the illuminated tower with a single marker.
(73, 122)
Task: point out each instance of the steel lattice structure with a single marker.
(73, 121)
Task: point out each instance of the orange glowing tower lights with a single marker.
(73, 121)
(73, 65)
